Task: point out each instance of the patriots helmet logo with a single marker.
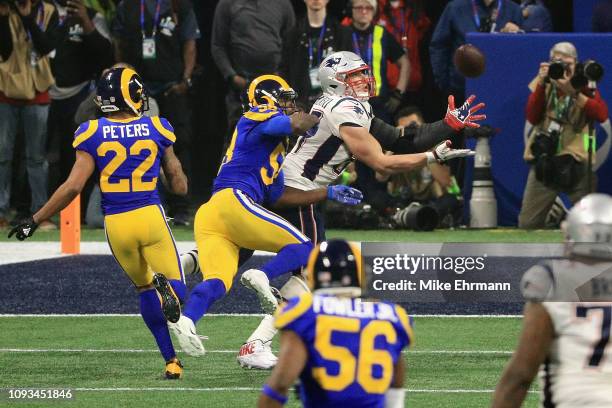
(331, 62)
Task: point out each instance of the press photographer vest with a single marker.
(18, 78)
(571, 137)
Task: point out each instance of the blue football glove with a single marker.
(344, 194)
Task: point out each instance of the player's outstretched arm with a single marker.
(395, 396)
(291, 360)
(293, 197)
(301, 122)
(81, 171)
(173, 172)
(533, 347)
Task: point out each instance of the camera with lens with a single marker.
(585, 72)
(557, 69)
(545, 143)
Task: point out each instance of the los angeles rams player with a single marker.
(345, 350)
(567, 318)
(342, 135)
(233, 218)
(127, 149)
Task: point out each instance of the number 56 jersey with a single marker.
(353, 346)
(128, 154)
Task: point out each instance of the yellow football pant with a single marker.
(230, 220)
(142, 242)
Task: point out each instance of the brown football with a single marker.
(469, 60)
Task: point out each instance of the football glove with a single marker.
(444, 152)
(24, 230)
(462, 117)
(344, 194)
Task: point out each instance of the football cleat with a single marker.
(259, 282)
(185, 332)
(171, 305)
(189, 263)
(256, 354)
(174, 369)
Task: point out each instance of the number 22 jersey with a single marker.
(128, 155)
(353, 346)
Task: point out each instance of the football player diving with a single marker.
(346, 351)
(129, 151)
(567, 318)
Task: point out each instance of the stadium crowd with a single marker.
(52, 52)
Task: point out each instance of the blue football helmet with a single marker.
(121, 89)
(334, 267)
(272, 91)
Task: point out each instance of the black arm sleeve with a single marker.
(44, 41)
(414, 140)
(6, 41)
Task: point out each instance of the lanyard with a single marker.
(319, 47)
(561, 107)
(493, 18)
(155, 19)
(357, 48)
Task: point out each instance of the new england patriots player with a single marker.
(567, 318)
(129, 151)
(341, 136)
(347, 352)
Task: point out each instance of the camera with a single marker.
(545, 143)
(557, 69)
(586, 72)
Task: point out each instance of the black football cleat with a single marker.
(174, 369)
(171, 306)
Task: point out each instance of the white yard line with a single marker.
(78, 350)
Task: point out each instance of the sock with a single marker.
(179, 288)
(202, 296)
(150, 309)
(189, 262)
(265, 331)
(292, 256)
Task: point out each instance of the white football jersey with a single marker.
(320, 157)
(578, 370)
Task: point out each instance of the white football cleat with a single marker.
(259, 282)
(185, 332)
(256, 354)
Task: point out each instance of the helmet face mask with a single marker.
(344, 73)
(272, 92)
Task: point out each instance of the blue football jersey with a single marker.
(352, 346)
(128, 154)
(255, 155)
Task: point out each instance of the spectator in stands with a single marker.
(602, 17)
(377, 46)
(459, 18)
(407, 21)
(159, 40)
(433, 185)
(556, 148)
(312, 39)
(247, 41)
(83, 49)
(536, 16)
(27, 35)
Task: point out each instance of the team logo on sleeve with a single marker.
(358, 110)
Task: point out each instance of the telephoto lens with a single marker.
(557, 69)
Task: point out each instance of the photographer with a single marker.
(560, 108)
(28, 32)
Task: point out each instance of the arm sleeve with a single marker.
(166, 132)
(536, 104)
(440, 49)
(278, 125)
(404, 327)
(415, 140)
(220, 40)
(394, 49)
(44, 41)
(188, 23)
(83, 135)
(596, 108)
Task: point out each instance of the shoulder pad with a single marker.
(537, 284)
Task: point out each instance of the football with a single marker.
(469, 60)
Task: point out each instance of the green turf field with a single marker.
(112, 362)
(458, 235)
